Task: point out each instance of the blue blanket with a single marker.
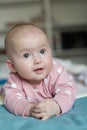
(75, 119)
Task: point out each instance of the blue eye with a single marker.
(26, 55)
(42, 51)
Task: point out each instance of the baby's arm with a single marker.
(15, 99)
(65, 91)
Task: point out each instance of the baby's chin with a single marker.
(37, 81)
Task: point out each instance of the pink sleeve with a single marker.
(65, 89)
(14, 97)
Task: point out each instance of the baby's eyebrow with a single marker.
(25, 49)
(44, 45)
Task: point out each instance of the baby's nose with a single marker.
(37, 59)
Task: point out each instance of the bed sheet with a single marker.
(75, 119)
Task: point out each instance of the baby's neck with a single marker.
(36, 84)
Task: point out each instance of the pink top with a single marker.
(58, 85)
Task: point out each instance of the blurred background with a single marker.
(64, 21)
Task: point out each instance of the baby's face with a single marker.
(32, 57)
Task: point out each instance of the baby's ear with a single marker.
(10, 66)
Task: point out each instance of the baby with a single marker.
(36, 86)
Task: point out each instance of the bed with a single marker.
(75, 119)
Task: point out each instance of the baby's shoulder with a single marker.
(57, 66)
(14, 77)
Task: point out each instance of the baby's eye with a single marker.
(26, 55)
(42, 51)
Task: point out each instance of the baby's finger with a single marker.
(39, 115)
(38, 110)
(45, 118)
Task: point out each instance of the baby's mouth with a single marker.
(39, 70)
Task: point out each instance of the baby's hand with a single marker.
(45, 109)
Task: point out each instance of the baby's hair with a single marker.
(16, 28)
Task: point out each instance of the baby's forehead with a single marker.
(24, 30)
(27, 32)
